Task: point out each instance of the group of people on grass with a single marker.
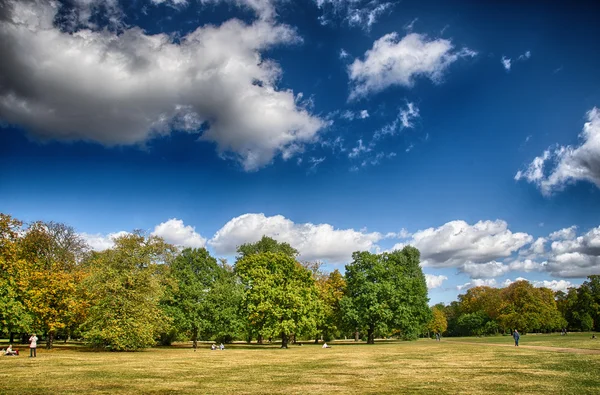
(214, 347)
(9, 352)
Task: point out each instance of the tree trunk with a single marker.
(284, 340)
(12, 337)
(294, 338)
(195, 339)
(317, 339)
(356, 338)
(50, 340)
(259, 340)
(371, 335)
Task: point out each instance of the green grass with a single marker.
(422, 367)
(572, 340)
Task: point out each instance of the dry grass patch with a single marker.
(404, 367)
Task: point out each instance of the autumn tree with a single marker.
(438, 323)
(53, 253)
(528, 308)
(280, 296)
(125, 289)
(386, 292)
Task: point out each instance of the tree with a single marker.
(438, 323)
(14, 316)
(125, 289)
(206, 298)
(53, 253)
(331, 289)
(527, 308)
(386, 292)
(280, 296)
(266, 244)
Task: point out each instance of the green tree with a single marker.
(266, 244)
(280, 295)
(331, 291)
(207, 297)
(125, 288)
(386, 292)
(14, 316)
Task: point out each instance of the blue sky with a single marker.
(470, 131)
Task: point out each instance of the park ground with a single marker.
(548, 364)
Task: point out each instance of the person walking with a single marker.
(33, 346)
(516, 336)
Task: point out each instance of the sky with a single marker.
(470, 131)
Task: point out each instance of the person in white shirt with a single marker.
(33, 346)
(9, 351)
(325, 345)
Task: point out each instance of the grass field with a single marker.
(572, 340)
(421, 367)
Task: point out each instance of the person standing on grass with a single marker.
(33, 346)
(516, 336)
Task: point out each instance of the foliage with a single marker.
(438, 323)
(207, 297)
(125, 289)
(266, 244)
(386, 292)
(331, 289)
(280, 295)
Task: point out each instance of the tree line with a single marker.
(144, 291)
(487, 311)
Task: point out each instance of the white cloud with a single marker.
(434, 281)
(456, 243)
(477, 283)
(571, 164)
(576, 257)
(506, 63)
(555, 285)
(356, 13)
(394, 61)
(527, 265)
(314, 242)
(405, 120)
(564, 234)
(175, 232)
(359, 149)
(264, 9)
(364, 114)
(350, 116)
(127, 88)
(409, 26)
(100, 242)
(484, 270)
(525, 56)
(344, 54)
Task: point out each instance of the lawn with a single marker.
(572, 340)
(421, 367)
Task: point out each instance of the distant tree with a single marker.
(53, 253)
(125, 288)
(386, 292)
(438, 323)
(280, 295)
(206, 299)
(266, 244)
(528, 308)
(331, 289)
(14, 316)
